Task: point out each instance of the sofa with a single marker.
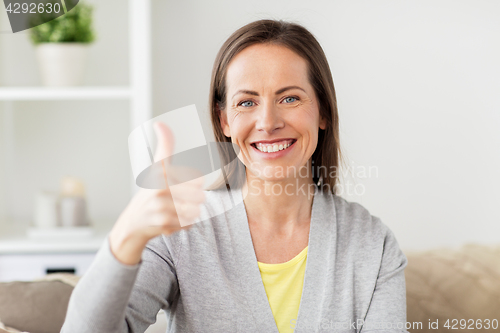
(447, 289)
(454, 289)
(46, 301)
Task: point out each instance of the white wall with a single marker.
(417, 85)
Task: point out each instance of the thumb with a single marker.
(165, 141)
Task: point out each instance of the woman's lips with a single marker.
(274, 154)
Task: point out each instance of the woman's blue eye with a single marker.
(291, 97)
(246, 102)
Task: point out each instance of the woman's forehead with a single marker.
(260, 66)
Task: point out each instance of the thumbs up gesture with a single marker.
(151, 213)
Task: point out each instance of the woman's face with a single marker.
(271, 104)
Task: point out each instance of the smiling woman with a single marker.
(263, 66)
(273, 113)
(292, 256)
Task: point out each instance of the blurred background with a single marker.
(417, 87)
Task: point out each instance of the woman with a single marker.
(293, 256)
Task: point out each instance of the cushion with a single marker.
(453, 283)
(37, 306)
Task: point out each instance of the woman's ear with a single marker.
(223, 122)
(322, 122)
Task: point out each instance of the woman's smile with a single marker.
(273, 150)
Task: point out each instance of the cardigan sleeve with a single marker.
(387, 310)
(113, 297)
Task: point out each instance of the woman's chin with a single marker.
(273, 180)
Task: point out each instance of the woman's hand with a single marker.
(151, 213)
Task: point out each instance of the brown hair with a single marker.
(295, 37)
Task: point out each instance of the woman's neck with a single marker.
(278, 206)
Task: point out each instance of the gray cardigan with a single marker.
(207, 279)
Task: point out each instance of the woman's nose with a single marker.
(269, 118)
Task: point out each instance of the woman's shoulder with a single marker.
(354, 218)
(363, 233)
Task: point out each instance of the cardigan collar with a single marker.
(321, 233)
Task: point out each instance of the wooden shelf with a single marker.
(64, 93)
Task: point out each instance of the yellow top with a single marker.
(283, 283)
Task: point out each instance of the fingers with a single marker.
(170, 212)
(173, 209)
(182, 193)
(187, 200)
(184, 175)
(188, 194)
(165, 141)
(187, 211)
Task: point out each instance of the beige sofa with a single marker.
(442, 285)
(459, 287)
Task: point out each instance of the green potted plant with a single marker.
(62, 45)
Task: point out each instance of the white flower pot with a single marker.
(62, 64)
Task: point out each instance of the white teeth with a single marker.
(273, 148)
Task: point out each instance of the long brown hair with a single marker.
(327, 155)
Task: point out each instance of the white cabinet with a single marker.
(24, 258)
(27, 267)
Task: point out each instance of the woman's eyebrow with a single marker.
(282, 90)
(288, 88)
(249, 92)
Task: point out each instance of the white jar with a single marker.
(46, 210)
